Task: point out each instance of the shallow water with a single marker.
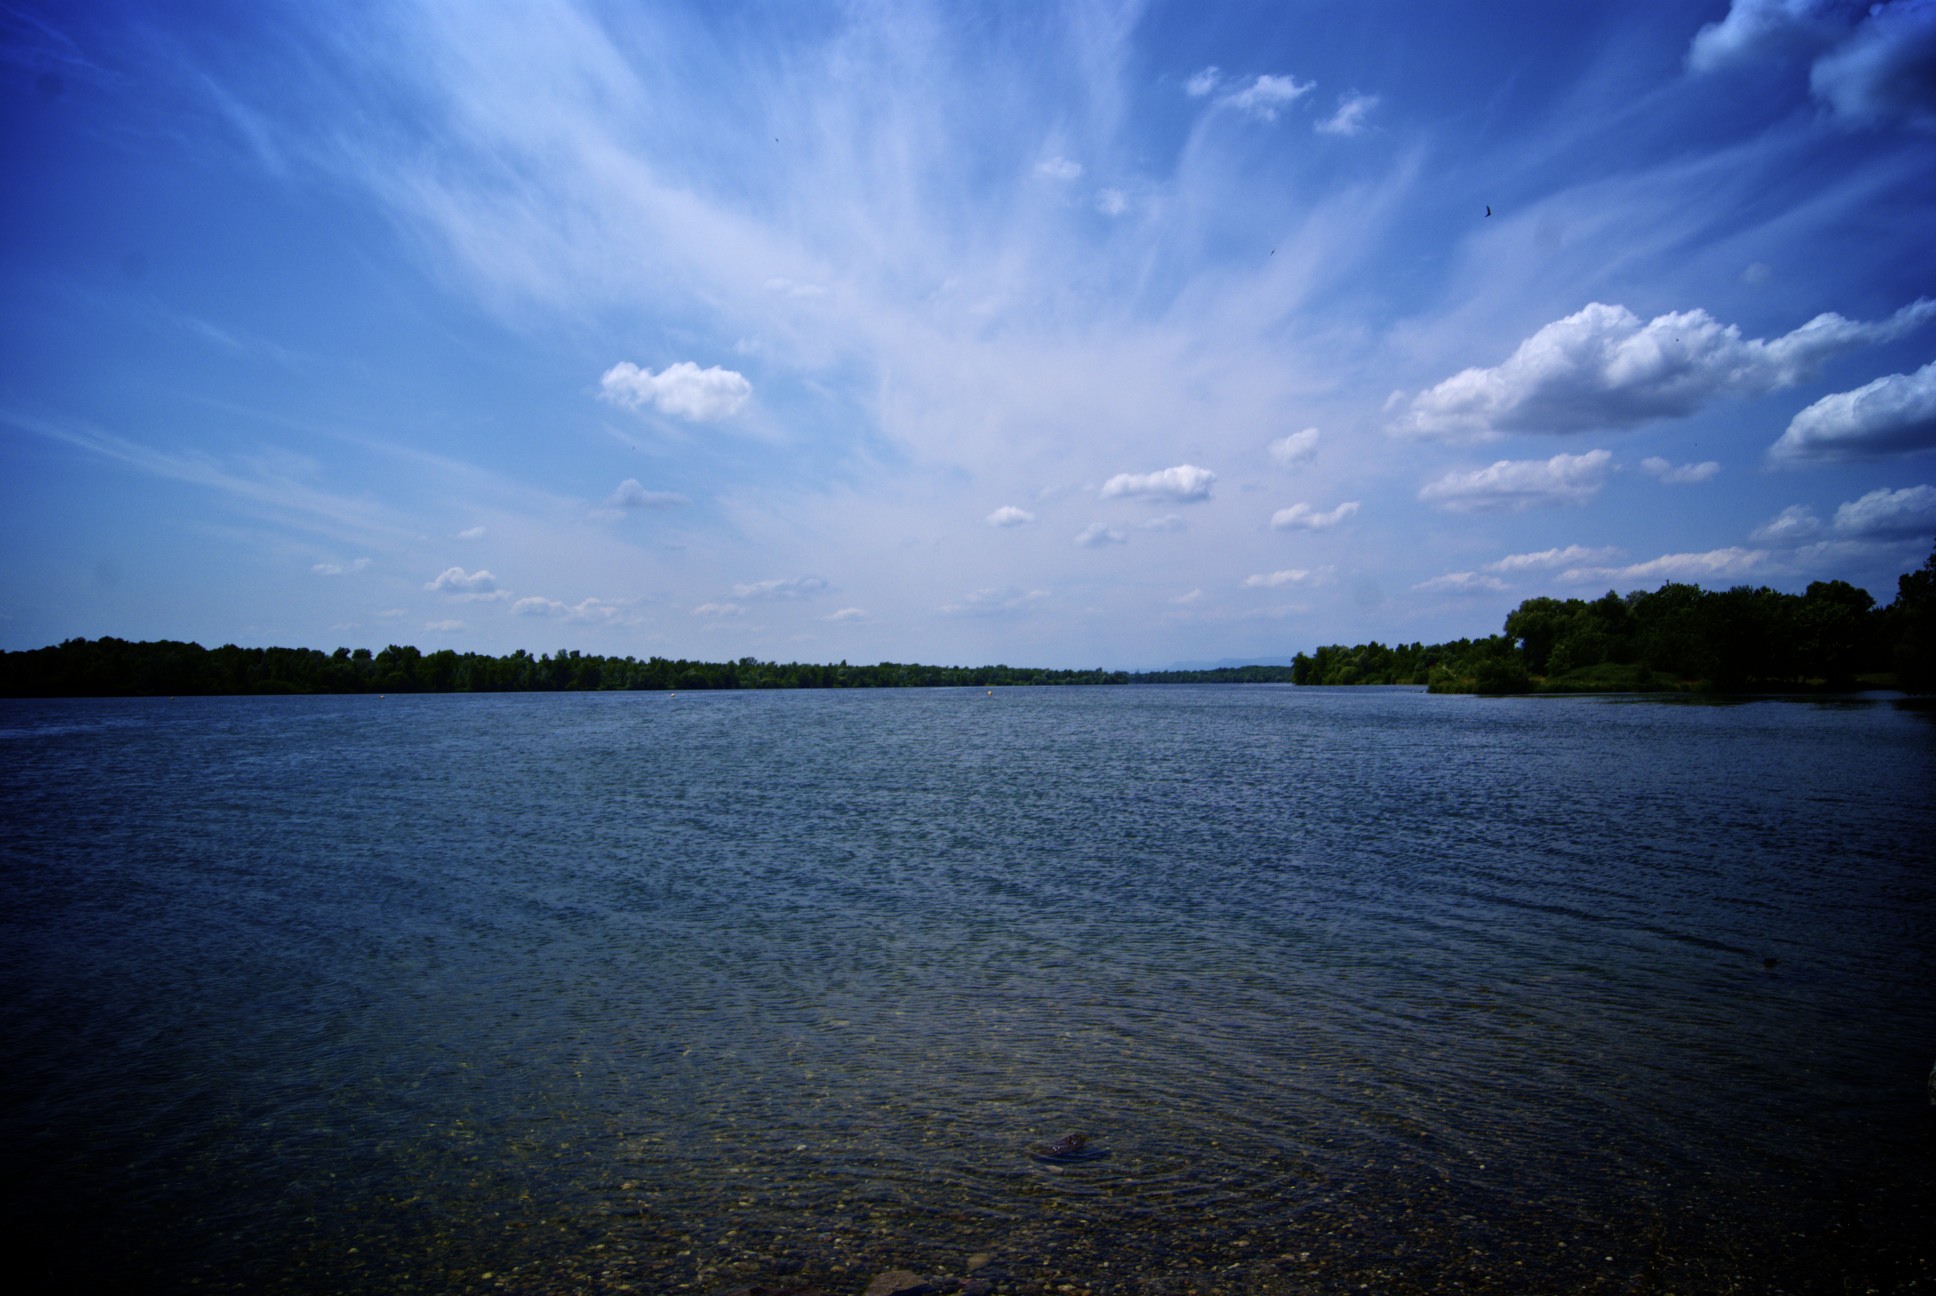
(1356, 987)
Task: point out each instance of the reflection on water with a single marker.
(680, 993)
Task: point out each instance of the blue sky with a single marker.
(1093, 334)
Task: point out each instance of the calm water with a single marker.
(1358, 988)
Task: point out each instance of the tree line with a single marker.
(111, 667)
(1832, 636)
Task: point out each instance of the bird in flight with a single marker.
(1488, 210)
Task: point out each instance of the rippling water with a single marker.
(1357, 987)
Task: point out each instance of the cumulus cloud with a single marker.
(477, 586)
(1059, 168)
(1871, 62)
(1295, 449)
(1678, 474)
(341, 569)
(631, 495)
(1301, 516)
(995, 602)
(1553, 559)
(1602, 367)
(791, 587)
(591, 609)
(1461, 583)
(1757, 30)
(1716, 564)
(1096, 535)
(1349, 119)
(1791, 526)
(683, 390)
(1885, 69)
(470, 533)
(1203, 82)
(1185, 483)
(1279, 579)
(1263, 97)
(1894, 415)
(1009, 516)
(1905, 514)
(1514, 484)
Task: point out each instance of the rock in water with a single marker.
(897, 1282)
(1070, 1147)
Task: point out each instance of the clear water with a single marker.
(1358, 989)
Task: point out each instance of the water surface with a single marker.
(1357, 988)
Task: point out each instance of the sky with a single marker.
(1095, 334)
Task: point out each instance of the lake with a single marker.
(1357, 989)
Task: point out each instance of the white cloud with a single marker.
(845, 614)
(1601, 367)
(1764, 29)
(1096, 535)
(1552, 559)
(1513, 484)
(786, 287)
(477, 586)
(683, 390)
(443, 626)
(631, 495)
(719, 610)
(1168, 522)
(1264, 96)
(1886, 69)
(1681, 475)
(1188, 597)
(1112, 202)
(341, 569)
(1871, 62)
(591, 609)
(1009, 516)
(1185, 483)
(791, 587)
(470, 533)
(1059, 168)
(1303, 517)
(995, 602)
(1350, 117)
(1279, 579)
(1295, 449)
(1461, 583)
(1893, 415)
(1904, 514)
(1203, 82)
(1712, 565)
(1792, 525)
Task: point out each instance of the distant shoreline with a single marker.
(112, 667)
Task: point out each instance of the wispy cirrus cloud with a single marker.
(1349, 119)
(1603, 367)
(1002, 601)
(1290, 576)
(1553, 559)
(1511, 485)
(791, 587)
